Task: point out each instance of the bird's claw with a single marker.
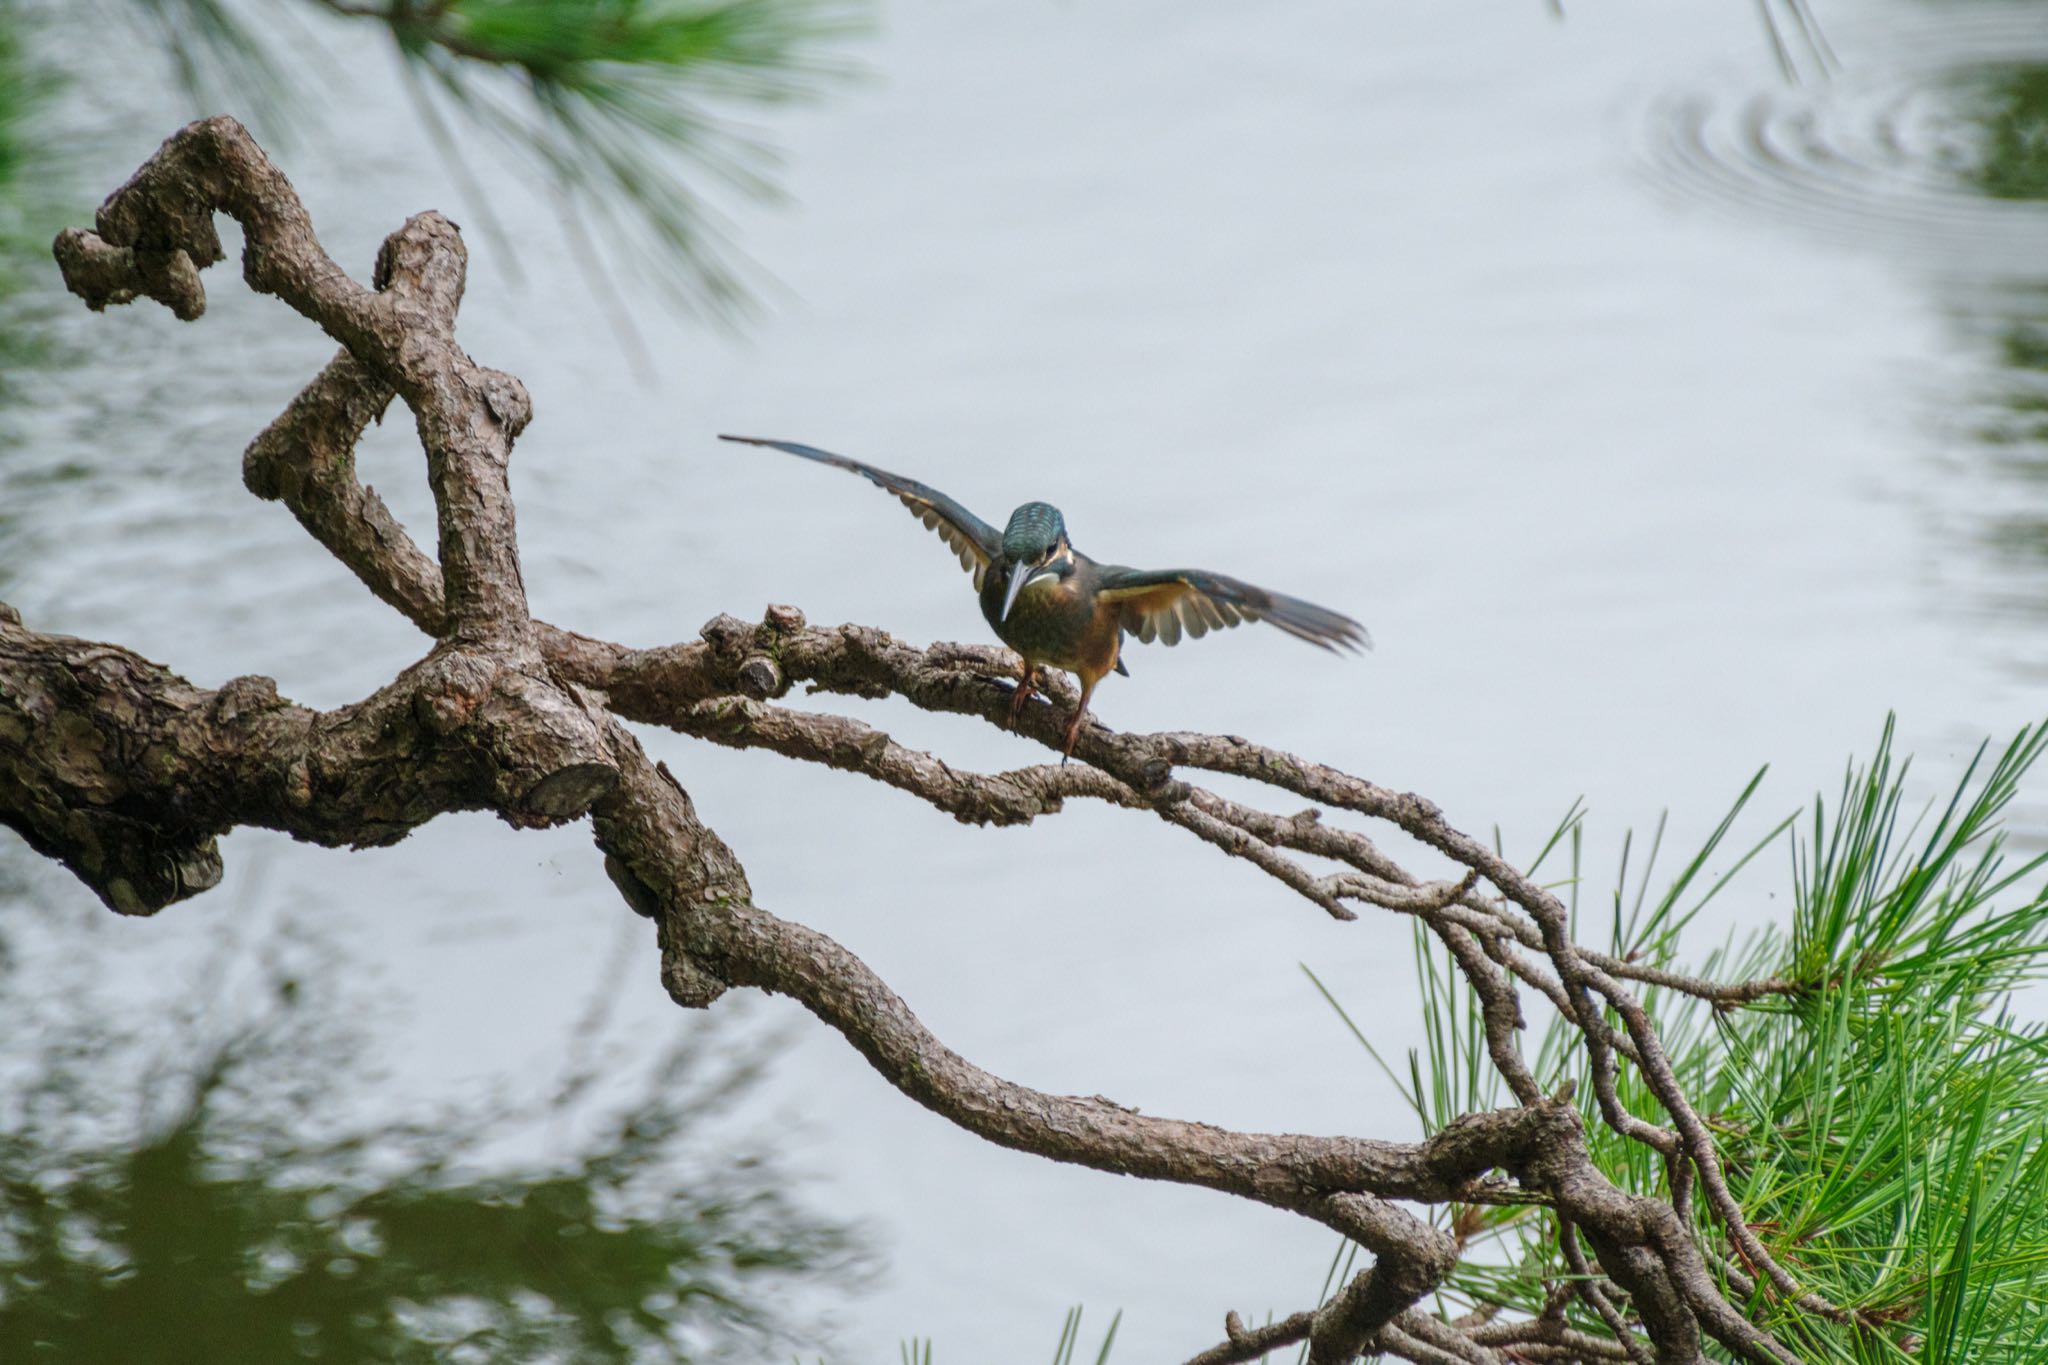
(1019, 697)
(1073, 735)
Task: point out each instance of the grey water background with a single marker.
(1660, 417)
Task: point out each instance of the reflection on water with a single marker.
(2011, 110)
(1923, 145)
(37, 195)
(20, 340)
(2003, 408)
(2007, 317)
(1931, 147)
(253, 1213)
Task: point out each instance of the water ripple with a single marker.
(1932, 142)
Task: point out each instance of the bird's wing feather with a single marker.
(1162, 604)
(965, 534)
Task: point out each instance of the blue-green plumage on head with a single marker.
(1034, 528)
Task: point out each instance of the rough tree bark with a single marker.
(127, 774)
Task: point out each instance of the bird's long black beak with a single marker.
(1018, 573)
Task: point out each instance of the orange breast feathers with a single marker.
(1101, 643)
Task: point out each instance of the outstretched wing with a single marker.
(1162, 604)
(965, 534)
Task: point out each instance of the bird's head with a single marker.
(1035, 544)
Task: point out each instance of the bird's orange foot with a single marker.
(1017, 700)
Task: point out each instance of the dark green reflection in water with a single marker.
(2004, 110)
(2012, 427)
(227, 1234)
(27, 207)
(24, 214)
(2010, 109)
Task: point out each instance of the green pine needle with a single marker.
(1885, 1126)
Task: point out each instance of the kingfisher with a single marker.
(1060, 609)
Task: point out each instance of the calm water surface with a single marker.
(1661, 418)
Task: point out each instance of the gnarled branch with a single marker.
(128, 773)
